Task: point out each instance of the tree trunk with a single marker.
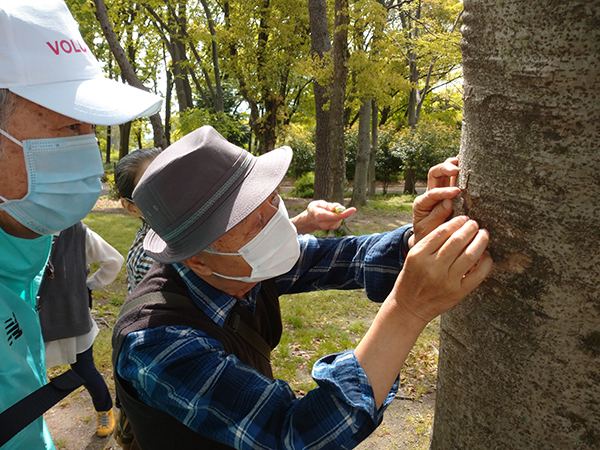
(127, 72)
(372, 190)
(338, 96)
(359, 188)
(410, 180)
(124, 133)
(519, 364)
(218, 94)
(108, 143)
(320, 43)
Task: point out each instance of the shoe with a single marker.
(106, 423)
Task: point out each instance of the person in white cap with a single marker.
(192, 344)
(52, 90)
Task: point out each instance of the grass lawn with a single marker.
(315, 324)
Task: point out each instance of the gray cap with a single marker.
(201, 187)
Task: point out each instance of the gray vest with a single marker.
(63, 298)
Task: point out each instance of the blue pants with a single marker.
(94, 383)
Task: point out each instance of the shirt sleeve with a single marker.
(372, 262)
(109, 259)
(189, 375)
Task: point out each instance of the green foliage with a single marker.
(234, 130)
(427, 145)
(304, 187)
(113, 193)
(303, 145)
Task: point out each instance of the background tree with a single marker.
(519, 362)
(337, 96)
(320, 43)
(127, 72)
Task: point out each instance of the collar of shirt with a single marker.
(215, 303)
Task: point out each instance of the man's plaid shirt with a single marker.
(187, 373)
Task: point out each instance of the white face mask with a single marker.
(272, 252)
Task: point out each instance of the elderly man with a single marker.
(193, 341)
(51, 90)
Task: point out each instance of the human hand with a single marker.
(433, 207)
(321, 215)
(442, 269)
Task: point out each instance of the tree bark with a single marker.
(124, 134)
(338, 96)
(108, 143)
(410, 180)
(320, 43)
(127, 71)
(361, 170)
(372, 187)
(519, 364)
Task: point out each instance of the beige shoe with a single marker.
(106, 423)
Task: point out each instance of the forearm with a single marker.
(385, 347)
(303, 224)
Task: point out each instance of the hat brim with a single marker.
(260, 182)
(99, 100)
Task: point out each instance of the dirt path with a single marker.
(406, 424)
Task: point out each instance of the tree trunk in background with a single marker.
(410, 180)
(168, 96)
(372, 187)
(359, 188)
(320, 43)
(108, 143)
(127, 72)
(519, 364)
(124, 133)
(338, 95)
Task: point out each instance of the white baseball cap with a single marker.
(44, 59)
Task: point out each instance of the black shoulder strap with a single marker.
(26, 410)
(232, 320)
(170, 298)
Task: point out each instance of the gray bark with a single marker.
(320, 43)
(372, 189)
(361, 170)
(519, 364)
(338, 96)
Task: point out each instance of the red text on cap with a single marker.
(67, 46)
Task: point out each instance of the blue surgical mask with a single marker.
(63, 177)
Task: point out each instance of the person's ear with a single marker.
(131, 208)
(200, 268)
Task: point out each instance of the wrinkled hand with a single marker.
(320, 215)
(433, 207)
(443, 268)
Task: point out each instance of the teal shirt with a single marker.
(22, 365)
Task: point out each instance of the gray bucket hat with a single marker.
(201, 187)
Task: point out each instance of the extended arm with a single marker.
(439, 272)
(321, 215)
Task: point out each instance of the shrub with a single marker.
(113, 193)
(304, 187)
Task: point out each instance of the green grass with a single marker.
(315, 323)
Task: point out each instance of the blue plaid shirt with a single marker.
(187, 373)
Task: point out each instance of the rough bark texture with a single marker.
(519, 363)
(338, 96)
(359, 188)
(320, 43)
